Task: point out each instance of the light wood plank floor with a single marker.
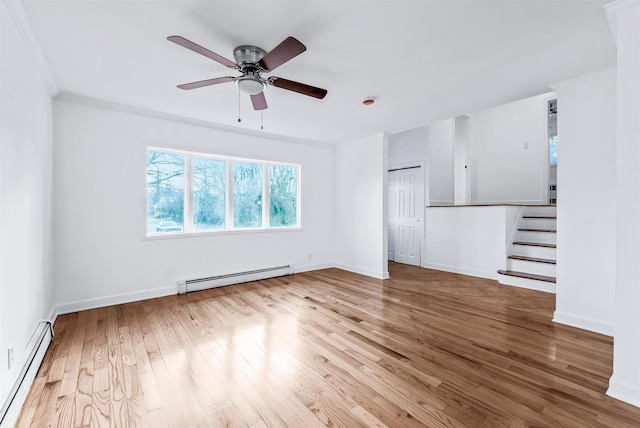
(328, 348)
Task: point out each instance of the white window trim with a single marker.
(188, 226)
(266, 197)
(228, 215)
(187, 215)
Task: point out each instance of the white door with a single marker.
(392, 215)
(406, 195)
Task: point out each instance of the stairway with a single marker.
(531, 262)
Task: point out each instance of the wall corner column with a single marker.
(624, 19)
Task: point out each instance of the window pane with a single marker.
(553, 150)
(208, 194)
(165, 192)
(247, 195)
(283, 195)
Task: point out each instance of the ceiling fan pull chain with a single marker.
(261, 119)
(239, 120)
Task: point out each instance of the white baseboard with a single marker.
(361, 271)
(624, 391)
(117, 299)
(309, 268)
(463, 271)
(584, 323)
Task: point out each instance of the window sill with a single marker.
(160, 236)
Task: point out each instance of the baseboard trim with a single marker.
(361, 271)
(117, 299)
(462, 271)
(583, 323)
(624, 391)
(309, 268)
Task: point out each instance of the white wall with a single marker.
(361, 206)
(25, 198)
(624, 19)
(502, 170)
(408, 146)
(468, 240)
(492, 144)
(440, 162)
(461, 137)
(586, 240)
(102, 256)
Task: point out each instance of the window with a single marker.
(247, 195)
(283, 195)
(165, 192)
(209, 194)
(553, 150)
(193, 192)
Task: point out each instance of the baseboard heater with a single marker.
(187, 285)
(39, 343)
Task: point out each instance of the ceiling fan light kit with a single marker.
(250, 85)
(252, 62)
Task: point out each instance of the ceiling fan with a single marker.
(252, 62)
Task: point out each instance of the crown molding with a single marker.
(124, 108)
(19, 16)
(616, 9)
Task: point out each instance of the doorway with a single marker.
(406, 211)
(552, 122)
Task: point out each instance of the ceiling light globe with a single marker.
(250, 85)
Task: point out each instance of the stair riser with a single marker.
(537, 252)
(538, 223)
(539, 237)
(545, 269)
(540, 211)
(531, 284)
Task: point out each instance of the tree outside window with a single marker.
(247, 195)
(553, 150)
(165, 191)
(223, 193)
(209, 189)
(283, 195)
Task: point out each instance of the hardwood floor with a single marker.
(328, 348)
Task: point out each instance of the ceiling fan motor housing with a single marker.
(248, 55)
(247, 58)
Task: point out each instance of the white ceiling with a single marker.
(422, 60)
